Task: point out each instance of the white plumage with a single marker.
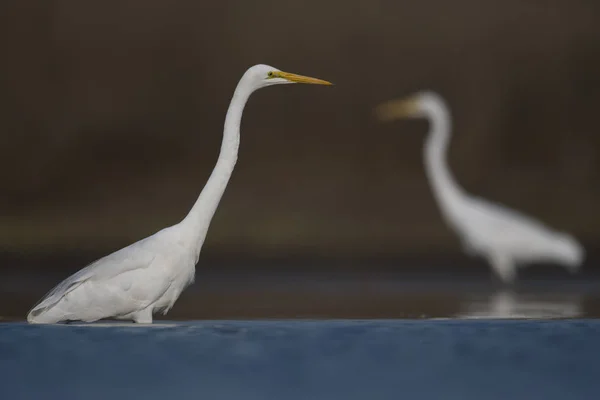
(506, 238)
(148, 276)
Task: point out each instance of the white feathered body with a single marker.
(131, 283)
(508, 238)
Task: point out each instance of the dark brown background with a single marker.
(111, 116)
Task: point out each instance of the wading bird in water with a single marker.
(506, 238)
(148, 276)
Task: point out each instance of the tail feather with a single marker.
(46, 311)
(45, 315)
(569, 252)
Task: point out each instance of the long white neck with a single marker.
(445, 188)
(198, 219)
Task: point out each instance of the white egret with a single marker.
(506, 238)
(148, 276)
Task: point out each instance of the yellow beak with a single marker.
(300, 78)
(396, 109)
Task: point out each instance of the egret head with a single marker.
(418, 105)
(264, 75)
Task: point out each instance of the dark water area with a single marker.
(361, 290)
(335, 359)
(285, 330)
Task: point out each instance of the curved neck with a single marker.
(198, 219)
(436, 149)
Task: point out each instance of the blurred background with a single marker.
(111, 118)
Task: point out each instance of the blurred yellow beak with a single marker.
(396, 109)
(300, 78)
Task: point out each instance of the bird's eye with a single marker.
(270, 74)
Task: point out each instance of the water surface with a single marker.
(303, 359)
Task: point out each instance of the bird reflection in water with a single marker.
(509, 304)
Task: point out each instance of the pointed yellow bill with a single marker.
(299, 78)
(396, 109)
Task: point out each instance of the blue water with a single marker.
(282, 360)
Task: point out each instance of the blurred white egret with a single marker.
(149, 275)
(506, 238)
